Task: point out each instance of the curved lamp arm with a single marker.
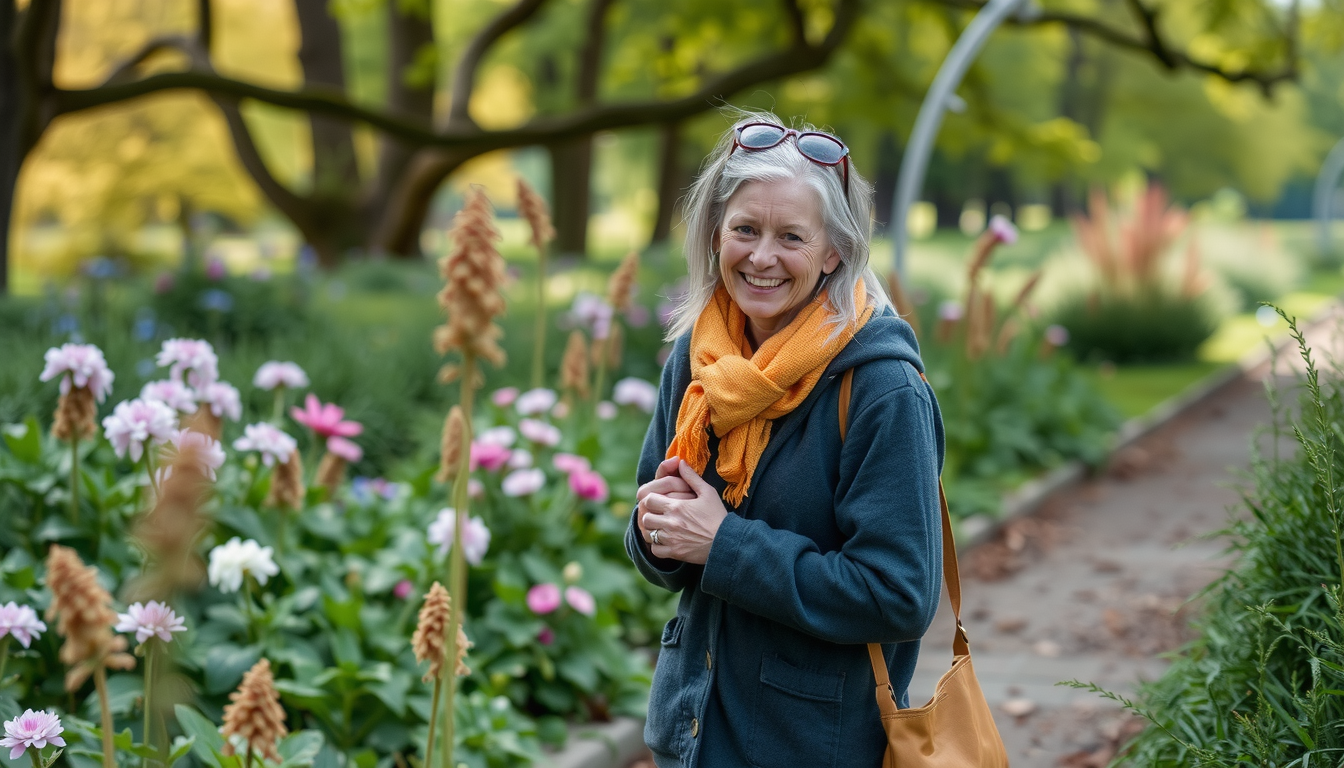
(1322, 201)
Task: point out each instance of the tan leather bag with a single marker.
(955, 729)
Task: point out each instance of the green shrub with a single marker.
(1156, 326)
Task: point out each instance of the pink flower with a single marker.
(489, 456)
(950, 311)
(194, 355)
(215, 269)
(475, 488)
(520, 459)
(592, 312)
(475, 536)
(546, 636)
(403, 589)
(505, 436)
(580, 600)
(207, 449)
(570, 463)
(588, 485)
(543, 598)
(1057, 335)
(523, 482)
(1003, 230)
(636, 392)
(324, 420)
(21, 623)
(606, 410)
(345, 449)
(136, 424)
(273, 444)
(153, 620)
(279, 374)
(504, 397)
(539, 432)
(173, 394)
(164, 282)
(32, 730)
(535, 401)
(82, 363)
(561, 410)
(222, 398)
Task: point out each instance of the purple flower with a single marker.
(32, 729)
(153, 620)
(1057, 335)
(190, 360)
(535, 401)
(592, 312)
(403, 589)
(215, 269)
(475, 536)
(173, 394)
(222, 398)
(21, 623)
(523, 482)
(636, 392)
(546, 636)
(1002, 229)
(539, 432)
(135, 424)
(273, 444)
(82, 363)
(580, 600)
(279, 374)
(543, 598)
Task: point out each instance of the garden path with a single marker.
(1093, 586)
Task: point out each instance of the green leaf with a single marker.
(225, 665)
(300, 749)
(181, 746)
(392, 691)
(206, 742)
(125, 743)
(25, 440)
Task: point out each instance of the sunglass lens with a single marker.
(823, 149)
(760, 136)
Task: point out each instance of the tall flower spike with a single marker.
(538, 215)
(610, 349)
(574, 366)
(620, 288)
(474, 274)
(454, 430)
(431, 632)
(76, 415)
(170, 530)
(287, 489)
(255, 714)
(83, 610)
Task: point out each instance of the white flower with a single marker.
(173, 394)
(535, 401)
(207, 450)
(637, 392)
(520, 459)
(193, 355)
(153, 620)
(134, 424)
(223, 399)
(273, 444)
(230, 562)
(20, 622)
(501, 436)
(279, 374)
(522, 482)
(539, 432)
(475, 535)
(84, 364)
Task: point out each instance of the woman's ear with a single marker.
(715, 242)
(832, 262)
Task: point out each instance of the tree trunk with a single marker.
(571, 184)
(11, 129)
(885, 179)
(398, 229)
(672, 180)
(1064, 199)
(408, 33)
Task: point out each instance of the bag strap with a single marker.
(951, 574)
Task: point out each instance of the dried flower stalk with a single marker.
(76, 415)
(255, 714)
(287, 489)
(608, 351)
(474, 274)
(620, 287)
(85, 618)
(574, 366)
(330, 473)
(904, 307)
(537, 213)
(431, 631)
(450, 455)
(170, 530)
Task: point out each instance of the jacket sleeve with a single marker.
(883, 584)
(672, 575)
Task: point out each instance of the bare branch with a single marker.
(249, 155)
(590, 56)
(205, 26)
(797, 23)
(128, 65)
(464, 76)
(1148, 18)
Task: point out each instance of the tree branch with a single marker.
(797, 23)
(249, 155)
(590, 55)
(1148, 18)
(464, 75)
(128, 65)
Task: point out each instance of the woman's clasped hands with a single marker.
(679, 513)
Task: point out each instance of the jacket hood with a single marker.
(885, 335)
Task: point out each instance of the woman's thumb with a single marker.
(693, 479)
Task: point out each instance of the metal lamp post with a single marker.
(1323, 201)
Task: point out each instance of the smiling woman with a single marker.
(791, 549)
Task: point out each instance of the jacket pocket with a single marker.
(665, 726)
(798, 715)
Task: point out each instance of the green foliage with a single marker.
(1129, 328)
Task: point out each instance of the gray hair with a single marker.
(848, 222)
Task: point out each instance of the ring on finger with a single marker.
(653, 536)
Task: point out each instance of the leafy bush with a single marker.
(1151, 327)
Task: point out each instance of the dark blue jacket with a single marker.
(836, 545)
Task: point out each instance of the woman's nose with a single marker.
(763, 256)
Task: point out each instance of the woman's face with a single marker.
(772, 251)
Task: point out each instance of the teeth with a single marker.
(761, 282)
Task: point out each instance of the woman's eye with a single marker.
(791, 236)
(743, 228)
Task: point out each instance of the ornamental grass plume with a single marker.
(574, 366)
(331, 470)
(431, 631)
(606, 354)
(450, 454)
(171, 529)
(287, 489)
(621, 285)
(474, 274)
(533, 208)
(255, 714)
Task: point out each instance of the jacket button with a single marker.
(709, 661)
(695, 727)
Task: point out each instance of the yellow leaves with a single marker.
(502, 99)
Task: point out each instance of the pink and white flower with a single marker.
(82, 364)
(232, 561)
(21, 623)
(489, 456)
(588, 485)
(223, 399)
(1002, 229)
(505, 436)
(543, 598)
(1057, 335)
(592, 312)
(504, 396)
(475, 536)
(153, 620)
(325, 419)
(32, 730)
(523, 482)
(606, 410)
(580, 600)
(279, 374)
(950, 311)
(173, 394)
(570, 463)
(403, 589)
(190, 360)
(345, 449)
(137, 424)
(535, 401)
(540, 432)
(637, 392)
(520, 459)
(206, 448)
(273, 444)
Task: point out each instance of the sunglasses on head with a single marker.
(820, 148)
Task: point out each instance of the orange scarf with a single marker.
(739, 393)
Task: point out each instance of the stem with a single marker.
(539, 345)
(37, 759)
(4, 658)
(458, 566)
(251, 612)
(105, 713)
(74, 480)
(149, 690)
(433, 720)
(278, 410)
(247, 756)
